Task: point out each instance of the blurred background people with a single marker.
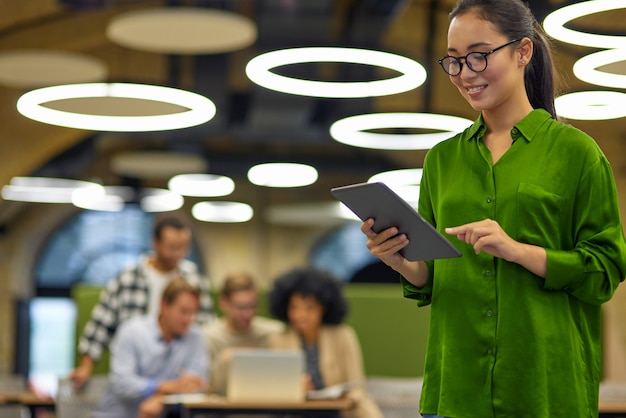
(238, 327)
(152, 357)
(137, 291)
(310, 301)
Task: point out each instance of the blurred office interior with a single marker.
(46, 248)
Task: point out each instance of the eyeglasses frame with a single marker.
(464, 58)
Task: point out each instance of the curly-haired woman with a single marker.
(312, 304)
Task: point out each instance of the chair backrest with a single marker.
(71, 403)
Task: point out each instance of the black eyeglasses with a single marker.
(476, 61)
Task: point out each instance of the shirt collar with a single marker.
(155, 329)
(157, 333)
(528, 126)
(476, 130)
(532, 122)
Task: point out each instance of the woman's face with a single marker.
(503, 80)
(305, 313)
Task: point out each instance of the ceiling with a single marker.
(252, 124)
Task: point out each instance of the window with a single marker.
(342, 251)
(93, 247)
(52, 336)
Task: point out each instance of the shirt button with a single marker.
(489, 199)
(490, 351)
(514, 132)
(490, 313)
(488, 273)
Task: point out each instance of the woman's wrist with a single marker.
(415, 272)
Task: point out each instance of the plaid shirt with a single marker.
(127, 296)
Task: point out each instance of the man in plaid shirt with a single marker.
(136, 291)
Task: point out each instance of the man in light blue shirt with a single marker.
(152, 357)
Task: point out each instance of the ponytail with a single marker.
(540, 73)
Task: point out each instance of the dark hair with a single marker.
(177, 286)
(167, 222)
(309, 281)
(514, 19)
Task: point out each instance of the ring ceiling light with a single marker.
(39, 67)
(258, 70)
(47, 190)
(200, 109)
(225, 212)
(350, 130)
(404, 177)
(282, 175)
(405, 182)
(112, 200)
(182, 30)
(160, 200)
(592, 105)
(554, 24)
(586, 68)
(201, 185)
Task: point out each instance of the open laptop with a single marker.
(261, 375)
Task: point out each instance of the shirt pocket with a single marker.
(539, 216)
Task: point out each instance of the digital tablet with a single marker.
(377, 201)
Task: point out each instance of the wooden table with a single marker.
(310, 408)
(29, 398)
(12, 397)
(612, 409)
(32, 402)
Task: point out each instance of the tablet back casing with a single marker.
(378, 201)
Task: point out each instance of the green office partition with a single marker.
(85, 297)
(392, 329)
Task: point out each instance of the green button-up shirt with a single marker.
(502, 341)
